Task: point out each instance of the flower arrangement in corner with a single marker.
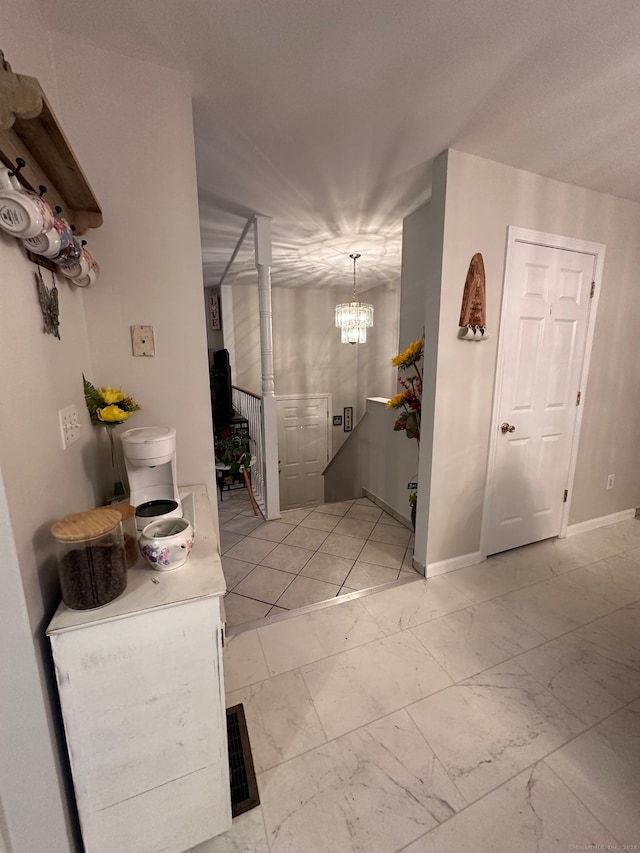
(409, 400)
(109, 407)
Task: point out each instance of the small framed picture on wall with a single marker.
(214, 311)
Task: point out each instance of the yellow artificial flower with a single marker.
(410, 355)
(111, 395)
(131, 405)
(112, 414)
(398, 400)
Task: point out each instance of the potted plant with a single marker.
(233, 452)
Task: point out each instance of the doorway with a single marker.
(303, 442)
(549, 303)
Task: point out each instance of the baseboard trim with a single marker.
(420, 569)
(454, 563)
(389, 510)
(603, 521)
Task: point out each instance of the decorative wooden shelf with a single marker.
(30, 130)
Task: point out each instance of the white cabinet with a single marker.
(142, 696)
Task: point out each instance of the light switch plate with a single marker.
(142, 342)
(69, 425)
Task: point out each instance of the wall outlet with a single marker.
(142, 342)
(611, 480)
(69, 425)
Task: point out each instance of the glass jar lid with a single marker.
(86, 525)
(126, 510)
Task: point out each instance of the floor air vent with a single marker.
(244, 788)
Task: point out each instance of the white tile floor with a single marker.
(310, 555)
(495, 708)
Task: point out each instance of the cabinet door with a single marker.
(146, 728)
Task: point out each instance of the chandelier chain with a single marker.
(354, 256)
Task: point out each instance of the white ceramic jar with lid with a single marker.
(166, 544)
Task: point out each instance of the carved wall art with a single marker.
(49, 305)
(473, 313)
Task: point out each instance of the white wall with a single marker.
(424, 250)
(243, 338)
(376, 375)
(307, 353)
(482, 199)
(228, 330)
(415, 266)
(39, 375)
(138, 150)
(130, 125)
(376, 458)
(31, 808)
(4, 833)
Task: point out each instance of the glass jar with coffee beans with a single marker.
(128, 518)
(91, 558)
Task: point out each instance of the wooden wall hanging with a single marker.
(29, 129)
(31, 137)
(473, 313)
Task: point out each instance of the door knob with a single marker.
(505, 427)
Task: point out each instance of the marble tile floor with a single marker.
(494, 709)
(308, 556)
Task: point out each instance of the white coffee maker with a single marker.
(150, 460)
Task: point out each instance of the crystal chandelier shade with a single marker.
(354, 318)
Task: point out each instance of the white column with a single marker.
(269, 404)
(266, 329)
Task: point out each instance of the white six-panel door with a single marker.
(545, 321)
(303, 436)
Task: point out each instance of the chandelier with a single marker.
(354, 318)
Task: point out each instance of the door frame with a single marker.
(325, 396)
(552, 241)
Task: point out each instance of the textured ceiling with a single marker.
(326, 114)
